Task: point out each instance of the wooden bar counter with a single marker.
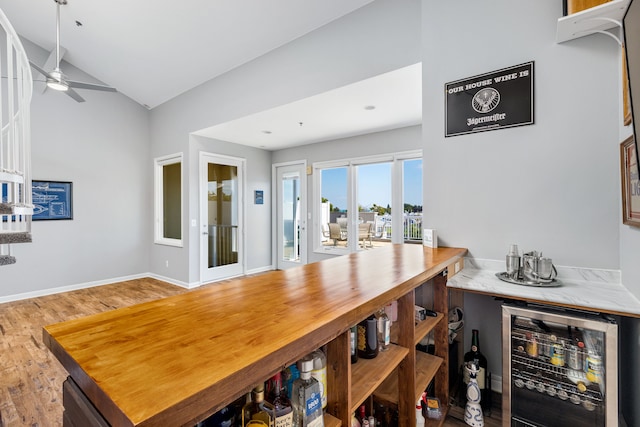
(174, 361)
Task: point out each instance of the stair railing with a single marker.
(16, 208)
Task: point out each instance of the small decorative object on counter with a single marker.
(473, 410)
(532, 269)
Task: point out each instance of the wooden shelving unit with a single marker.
(300, 310)
(368, 374)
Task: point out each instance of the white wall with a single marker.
(102, 146)
(392, 141)
(375, 39)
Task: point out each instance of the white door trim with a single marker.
(237, 269)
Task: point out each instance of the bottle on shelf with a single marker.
(384, 330)
(281, 404)
(475, 355)
(319, 372)
(354, 421)
(419, 415)
(368, 338)
(354, 344)
(257, 411)
(362, 416)
(306, 398)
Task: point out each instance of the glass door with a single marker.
(221, 208)
(291, 215)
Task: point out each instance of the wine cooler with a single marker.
(559, 368)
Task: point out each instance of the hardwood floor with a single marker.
(30, 377)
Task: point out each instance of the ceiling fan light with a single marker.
(56, 85)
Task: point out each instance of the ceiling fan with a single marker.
(56, 79)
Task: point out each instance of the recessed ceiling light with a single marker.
(267, 132)
(369, 107)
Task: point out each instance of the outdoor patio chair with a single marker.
(364, 234)
(335, 233)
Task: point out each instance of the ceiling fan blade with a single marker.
(38, 69)
(81, 85)
(72, 93)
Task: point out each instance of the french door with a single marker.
(221, 217)
(291, 215)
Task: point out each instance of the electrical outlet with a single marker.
(166, 263)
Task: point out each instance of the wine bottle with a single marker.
(475, 356)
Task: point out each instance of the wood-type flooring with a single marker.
(30, 377)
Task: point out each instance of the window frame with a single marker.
(159, 164)
(397, 184)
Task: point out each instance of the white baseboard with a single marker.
(51, 291)
(172, 281)
(260, 269)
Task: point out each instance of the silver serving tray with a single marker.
(524, 282)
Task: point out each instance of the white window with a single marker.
(168, 200)
(384, 192)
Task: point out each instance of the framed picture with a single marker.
(497, 100)
(630, 184)
(626, 101)
(52, 200)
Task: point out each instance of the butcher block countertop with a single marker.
(175, 360)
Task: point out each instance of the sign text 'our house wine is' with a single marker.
(495, 100)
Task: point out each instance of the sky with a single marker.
(374, 184)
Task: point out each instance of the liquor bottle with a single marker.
(419, 415)
(476, 356)
(306, 398)
(354, 344)
(384, 330)
(362, 415)
(257, 410)
(281, 404)
(368, 338)
(319, 372)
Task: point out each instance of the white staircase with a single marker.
(15, 142)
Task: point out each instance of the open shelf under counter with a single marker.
(368, 374)
(427, 366)
(422, 328)
(331, 421)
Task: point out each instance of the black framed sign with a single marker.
(495, 100)
(52, 200)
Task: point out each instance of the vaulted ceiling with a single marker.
(155, 50)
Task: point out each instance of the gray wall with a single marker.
(553, 186)
(102, 146)
(380, 37)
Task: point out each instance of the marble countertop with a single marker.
(591, 289)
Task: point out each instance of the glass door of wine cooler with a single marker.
(559, 369)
